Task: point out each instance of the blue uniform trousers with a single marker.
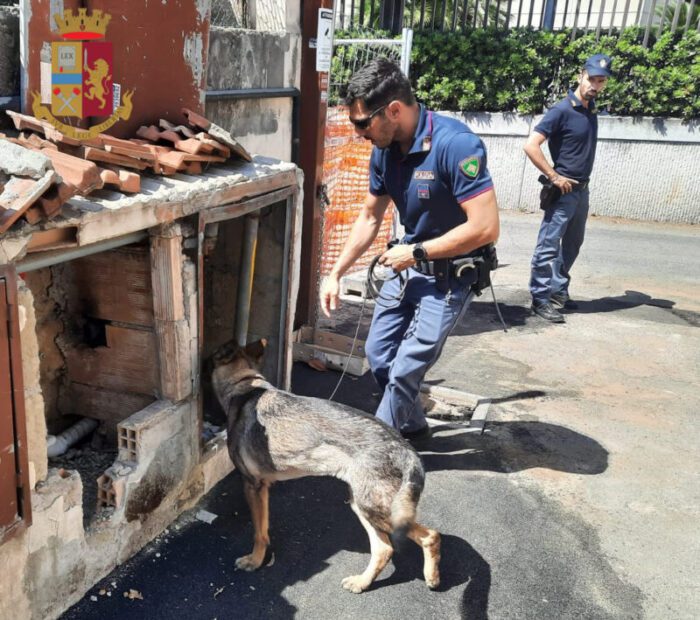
(406, 339)
(558, 244)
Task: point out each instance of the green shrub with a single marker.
(524, 70)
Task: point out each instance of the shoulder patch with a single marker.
(470, 166)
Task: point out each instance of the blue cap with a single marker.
(599, 65)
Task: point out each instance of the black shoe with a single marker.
(548, 312)
(562, 300)
(422, 434)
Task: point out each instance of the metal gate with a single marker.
(15, 508)
(346, 156)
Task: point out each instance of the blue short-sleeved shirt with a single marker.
(572, 132)
(445, 166)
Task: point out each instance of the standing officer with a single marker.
(571, 126)
(434, 169)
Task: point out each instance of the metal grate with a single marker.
(229, 13)
(580, 16)
(270, 15)
(261, 15)
(351, 55)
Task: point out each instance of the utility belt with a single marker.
(473, 269)
(550, 193)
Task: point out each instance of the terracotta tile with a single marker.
(136, 151)
(55, 197)
(32, 140)
(184, 131)
(75, 171)
(193, 167)
(125, 181)
(95, 154)
(216, 132)
(18, 195)
(224, 151)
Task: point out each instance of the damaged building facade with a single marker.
(114, 303)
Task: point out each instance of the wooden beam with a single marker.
(171, 327)
(103, 404)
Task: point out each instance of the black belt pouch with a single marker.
(549, 193)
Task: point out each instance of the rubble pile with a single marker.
(42, 168)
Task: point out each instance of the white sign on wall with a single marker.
(324, 40)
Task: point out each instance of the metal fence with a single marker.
(261, 15)
(581, 16)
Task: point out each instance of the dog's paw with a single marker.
(433, 582)
(247, 563)
(355, 583)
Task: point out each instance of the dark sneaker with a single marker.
(548, 312)
(422, 434)
(562, 300)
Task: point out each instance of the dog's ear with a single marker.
(256, 350)
(225, 353)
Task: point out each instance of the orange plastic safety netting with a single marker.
(346, 176)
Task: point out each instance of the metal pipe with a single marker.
(286, 259)
(252, 93)
(12, 102)
(550, 9)
(56, 445)
(245, 281)
(47, 259)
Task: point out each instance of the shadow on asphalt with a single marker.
(631, 299)
(505, 447)
(514, 446)
(482, 317)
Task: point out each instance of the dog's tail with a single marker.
(403, 506)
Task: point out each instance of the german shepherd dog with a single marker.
(275, 435)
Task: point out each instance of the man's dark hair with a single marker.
(379, 83)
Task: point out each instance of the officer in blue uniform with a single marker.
(571, 127)
(434, 170)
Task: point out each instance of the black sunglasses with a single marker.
(364, 123)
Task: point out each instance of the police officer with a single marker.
(571, 127)
(434, 170)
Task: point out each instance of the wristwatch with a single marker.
(419, 252)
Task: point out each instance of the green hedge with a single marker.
(525, 71)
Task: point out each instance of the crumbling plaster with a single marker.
(33, 396)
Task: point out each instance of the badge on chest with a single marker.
(424, 175)
(423, 191)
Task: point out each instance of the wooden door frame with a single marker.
(19, 419)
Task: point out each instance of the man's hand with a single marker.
(329, 294)
(563, 183)
(399, 257)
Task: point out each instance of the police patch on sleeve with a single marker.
(470, 166)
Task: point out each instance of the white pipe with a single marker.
(58, 444)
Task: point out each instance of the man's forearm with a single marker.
(363, 232)
(536, 156)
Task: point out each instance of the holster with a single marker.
(476, 268)
(549, 193)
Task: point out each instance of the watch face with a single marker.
(419, 252)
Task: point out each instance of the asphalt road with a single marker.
(578, 502)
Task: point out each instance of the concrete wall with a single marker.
(9, 51)
(242, 59)
(645, 169)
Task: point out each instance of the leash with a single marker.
(373, 279)
(498, 309)
(375, 292)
